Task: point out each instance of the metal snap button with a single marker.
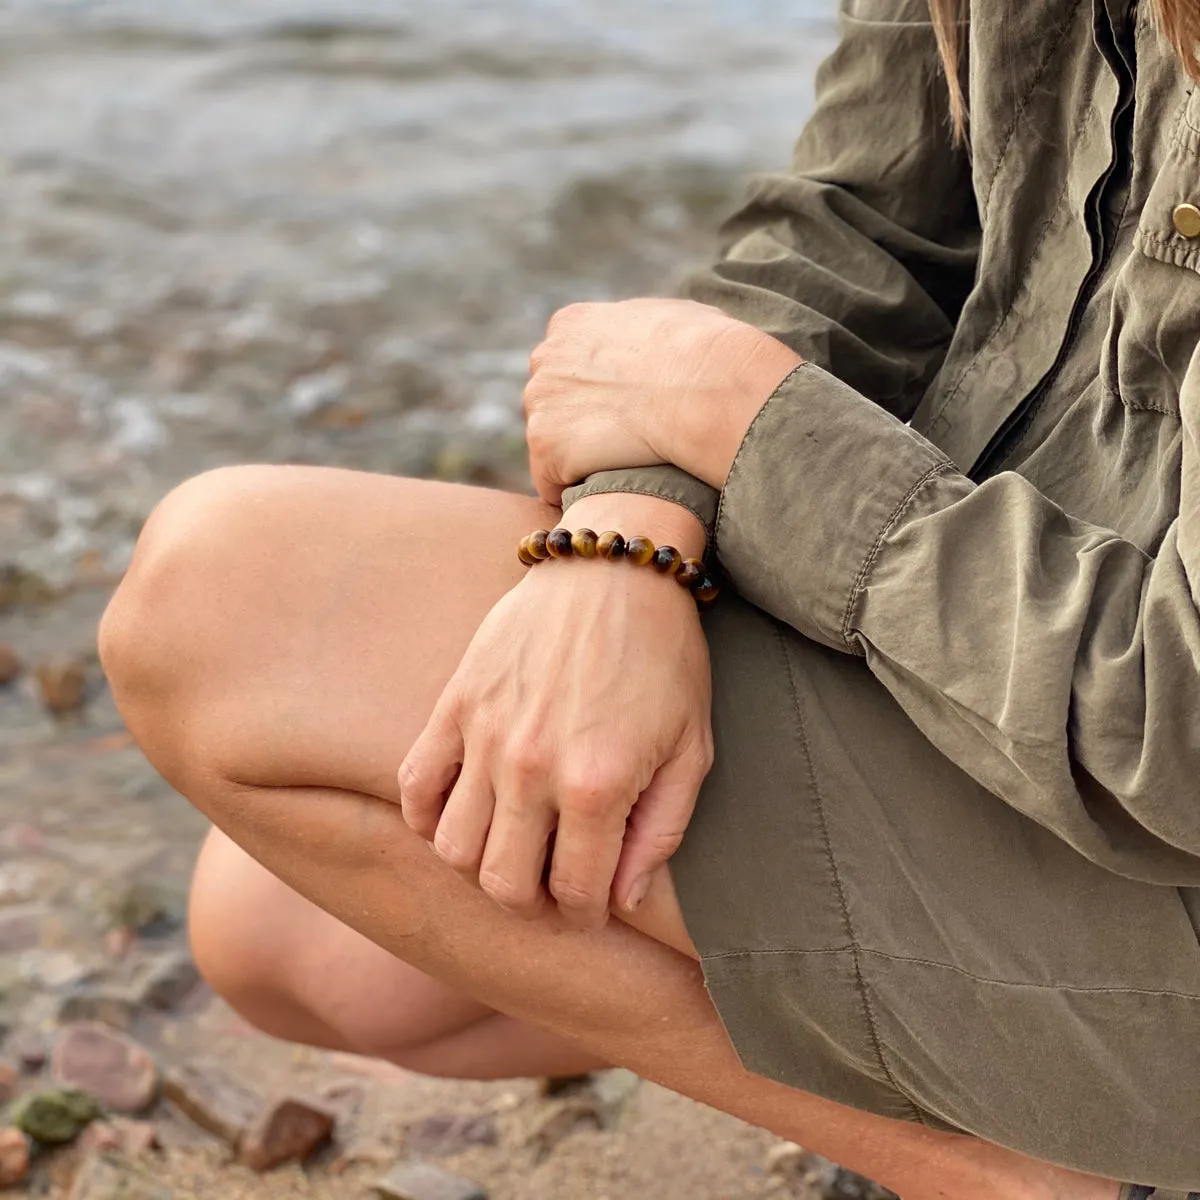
(1187, 220)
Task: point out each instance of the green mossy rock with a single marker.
(54, 1117)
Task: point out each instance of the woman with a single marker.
(941, 878)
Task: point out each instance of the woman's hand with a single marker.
(576, 729)
(642, 382)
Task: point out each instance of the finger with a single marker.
(549, 492)
(463, 828)
(429, 771)
(587, 849)
(515, 854)
(656, 826)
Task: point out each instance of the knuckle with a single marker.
(575, 894)
(590, 793)
(527, 761)
(662, 844)
(505, 892)
(453, 855)
(533, 395)
(570, 314)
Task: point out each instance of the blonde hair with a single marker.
(1178, 19)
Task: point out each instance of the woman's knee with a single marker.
(173, 626)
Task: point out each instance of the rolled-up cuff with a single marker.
(821, 476)
(665, 482)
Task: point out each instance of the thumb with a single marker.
(656, 827)
(429, 771)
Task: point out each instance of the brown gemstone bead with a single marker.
(707, 590)
(583, 542)
(524, 553)
(690, 573)
(535, 543)
(558, 543)
(639, 550)
(666, 560)
(610, 545)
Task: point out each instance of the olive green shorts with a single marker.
(878, 929)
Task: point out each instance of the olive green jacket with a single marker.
(986, 482)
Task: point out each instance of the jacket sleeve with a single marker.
(861, 255)
(1053, 661)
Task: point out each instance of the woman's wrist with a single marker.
(706, 437)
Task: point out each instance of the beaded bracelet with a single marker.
(689, 573)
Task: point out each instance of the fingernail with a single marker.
(637, 893)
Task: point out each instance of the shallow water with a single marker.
(256, 229)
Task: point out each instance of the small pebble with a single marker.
(287, 1130)
(131, 1138)
(15, 1150)
(29, 1049)
(345, 1096)
(167, 981)
(118, 942)
(788, 1160)
(109, 1004)
(10, 664)
(562, 1119)
(109, 1065)
(421, 1181)
(61, 684)
(450, 1133)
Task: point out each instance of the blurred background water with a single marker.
(238, 230)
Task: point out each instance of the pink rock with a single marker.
(118, 942)
(29, 1049)
(106, 1064)
(23, 838)
(14, 1157)
(99, 1135)
(9, 1080)
(129, 1138)
(287, 1130)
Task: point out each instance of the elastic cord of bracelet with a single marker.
(689, 573)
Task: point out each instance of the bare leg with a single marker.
(301, 975)
(278, 644)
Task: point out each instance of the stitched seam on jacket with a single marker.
(1074, 989)
(716, 533)
(827, 844)
(1059, 34)
(869, 562)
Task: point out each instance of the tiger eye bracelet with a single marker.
(689, 573)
